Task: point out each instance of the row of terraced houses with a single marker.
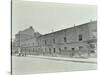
(76, 41)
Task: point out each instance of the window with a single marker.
(54, 50)
(65, 48)
(73, 52)
(65, 40)
(73, 49)
(80, 47)
(54, 41)
(38, 48)
(80, 37)
(60, 50)
(92, 51)
(45, 42)
(45, 49)
(49, 50)
(33, 43)
(33, 49)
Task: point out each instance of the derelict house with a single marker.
(77, 41)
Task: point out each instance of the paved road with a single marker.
(31, 65)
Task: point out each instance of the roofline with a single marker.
(68, 28)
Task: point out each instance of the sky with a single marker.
(46, 17)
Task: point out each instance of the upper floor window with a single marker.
(45, 42)
(54, 41)
(65, 39)
(80, 37)
(33, 43)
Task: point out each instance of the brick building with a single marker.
(77, 41)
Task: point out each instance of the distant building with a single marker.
(77, 41)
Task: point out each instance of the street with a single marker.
(33, 65)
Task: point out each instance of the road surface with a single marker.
(33, 65)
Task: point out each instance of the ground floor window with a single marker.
(45, 50)
(65, 48)
(54, 50)
(73, 49)
(49, 50)
(60, 50)
(92, 51)
(80, 48)
(72, 52)
(33, 49)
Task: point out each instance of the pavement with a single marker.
(81, 60)
(25, 65)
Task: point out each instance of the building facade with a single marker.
(77, 41)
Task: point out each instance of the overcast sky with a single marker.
(45, 17)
